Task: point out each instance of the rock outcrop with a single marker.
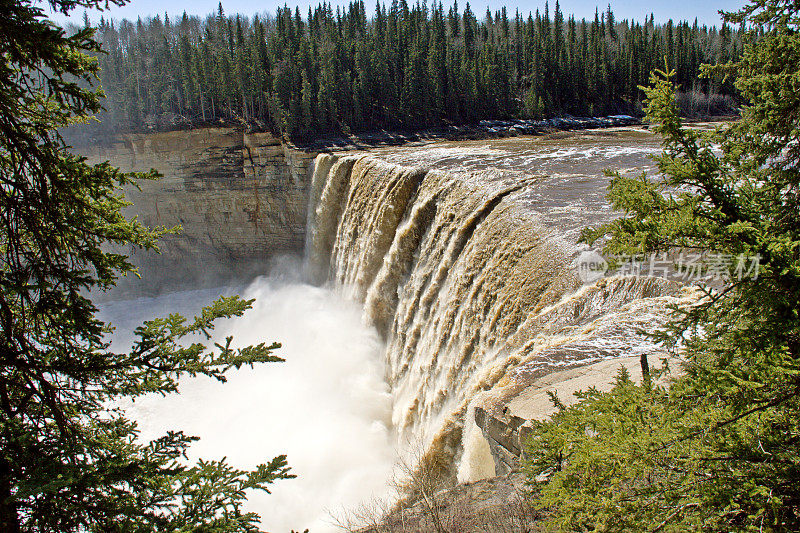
(507, 425)
(496, 505)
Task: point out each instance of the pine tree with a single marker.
(573, 67)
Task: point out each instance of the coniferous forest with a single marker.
(402, 67)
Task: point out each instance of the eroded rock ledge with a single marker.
(506, 427)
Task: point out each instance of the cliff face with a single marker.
(240, 199)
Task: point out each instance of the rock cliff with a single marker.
(240, 199)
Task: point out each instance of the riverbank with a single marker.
(485, 129)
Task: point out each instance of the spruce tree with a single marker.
(573, 67)
(718, 449)
(70, 460)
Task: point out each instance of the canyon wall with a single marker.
(240, 199)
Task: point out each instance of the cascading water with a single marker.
(466, 286)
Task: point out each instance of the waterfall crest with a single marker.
(469, 290)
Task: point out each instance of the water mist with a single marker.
(327, 407)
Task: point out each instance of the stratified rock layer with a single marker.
(240, 199)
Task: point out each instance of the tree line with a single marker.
(405, 67)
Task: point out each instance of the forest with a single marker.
(405, 67)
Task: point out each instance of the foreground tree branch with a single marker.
(68, 460)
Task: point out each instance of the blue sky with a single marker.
(705, 11)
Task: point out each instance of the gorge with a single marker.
(450, 267)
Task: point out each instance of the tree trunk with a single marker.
(9, 517)
(645, 370)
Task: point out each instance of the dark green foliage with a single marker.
(69, 459)
(406, 67)
(718, 450)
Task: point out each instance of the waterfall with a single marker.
(468, 288)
